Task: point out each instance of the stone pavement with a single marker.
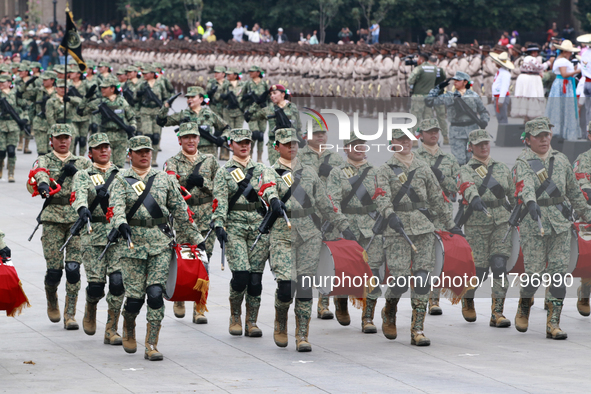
(463, 357)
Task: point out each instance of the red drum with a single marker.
(515, 262)
(580, 252)
(187, 277)
(453, 259)
(346, 261)
(12, 296)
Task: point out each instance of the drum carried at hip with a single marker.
(187, 277)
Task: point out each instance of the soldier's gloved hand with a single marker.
(19, 94)
(31, 80)
(477, 204)
(125, 230)
(201, 246)
(84, 214)
(534, 210)
(348, 235)
(301, 142)
(66, 98)
(438, 174)
(194, 180)
(457, 231)
(161, 121)
(93, 127)
(102, 193)
(247, 116)
(130, 130)
(395, 223)
(221, 235)
(70, 169)
(278, 207)
(80, 111)
(43, 189)
(5, 253)
(90, 92)
(324, 169)
(588, 193)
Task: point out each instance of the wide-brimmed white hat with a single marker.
(502, 60)
(584, 39)
(566, 46)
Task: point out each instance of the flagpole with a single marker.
(66, 65)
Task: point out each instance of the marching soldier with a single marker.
(9, 128)
(39, 95)
(232, 95)
(105, 121)
(214, 90)
(235, 221)
(201, 115)
(78, 89)
(194, 171)
(145, 267)
(57, 218)
(163, 80)
(104, 70)
(446, 169)
(91, 189)
(544, 180)
(486, 184)
(256, 95)
(25, 76)
(129, 92)
(407, 208)
(54, 109)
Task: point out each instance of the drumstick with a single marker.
(286, 219)
(540, 226)
(88, 225)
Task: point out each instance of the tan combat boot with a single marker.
(111, 335)
(235, 312)
(367, 325)
(89, 321)
(128, 341)
(11, 173)
(152, 333)
(26, 150)
(280, 328)
(259, 156)
(496, 318)
(179, 309)
(389, 318)
(302, 328)
(253, 304)
(445, 140)
(522, 315)
(224, 154)
(20, 143)
(198, 317)
(583, 300)
(553, 320)
(53, 309)
(341, 310)
(417, 337)
(323, 312)
(1, 168)
(434, 308)
(70, 312)
(468, 310)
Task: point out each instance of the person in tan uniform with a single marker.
(489, 70)
(474, 69)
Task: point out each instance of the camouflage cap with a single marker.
(5, 68)
(60, 129)
(149, 69)
(537, 126)
(219, 69)
(98, 139)
(255, 68)
(36, 65)
(60, 83)
(232, 70)
(140, 142)
(188, 128)
(104, 64)
(59, 69)
(461, 76)
(477, 136)
(285, 136)
(109, 81)
(23, 67)
(5, 78)
(157, 65)
(240, 135)
(49, 75)
(121, 71)
(352, 138)
(194, 91)
(318, 128)
(398, 133)
(90, 63)
(15, 65)
(547, 120)
(132, 69)
(25, 61)
(429, 124)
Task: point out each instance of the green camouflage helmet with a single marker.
(60, 129)
(352, 138)
(429, 124)
(219, 69)
(238, 135)
(188, 128)
(477, 136)
(140, 142)
(537, 126)
(98, 139)
(285, 136)
(49, 75)
(195, 91)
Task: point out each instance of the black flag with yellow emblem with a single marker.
(71, 43)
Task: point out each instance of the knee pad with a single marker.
(482, 274)
(95, 290)
(133, 305)
(11, 151)
(2, 155)
(285, 290)
(155, 138)
(53, 277)
(421, 282)
(116, 284)
(304, 288)
(239, 280)
(498, 265)
(155, 300)
(558, 291)
(76, 141)
(529, 290)
(72, 272)
(82, 141)
(398, 285)
(255, 284)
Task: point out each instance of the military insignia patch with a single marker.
(481, 171)
(348, 171)
(97, 179)
(139, 187)
(287, 178)
(238, 175)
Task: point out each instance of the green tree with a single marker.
(193, 11)
(583, 13)
(327, 10)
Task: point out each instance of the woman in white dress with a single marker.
(529, 102)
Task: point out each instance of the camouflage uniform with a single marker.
(234, 117)
(57, 219)
(133, 87)
(39, 97)
(145, 268)
(24, 102)
(54, 109)
(461, 124)
(259, 89)
(420, 231)
(205, 116)
(554, 247)
(86, 185)
(9, 131)
(121, 108)
(80, 122)
(485, 234)
(180, 167)
(582, 168)
(164, 80)
(214, 92)
(241, 224)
